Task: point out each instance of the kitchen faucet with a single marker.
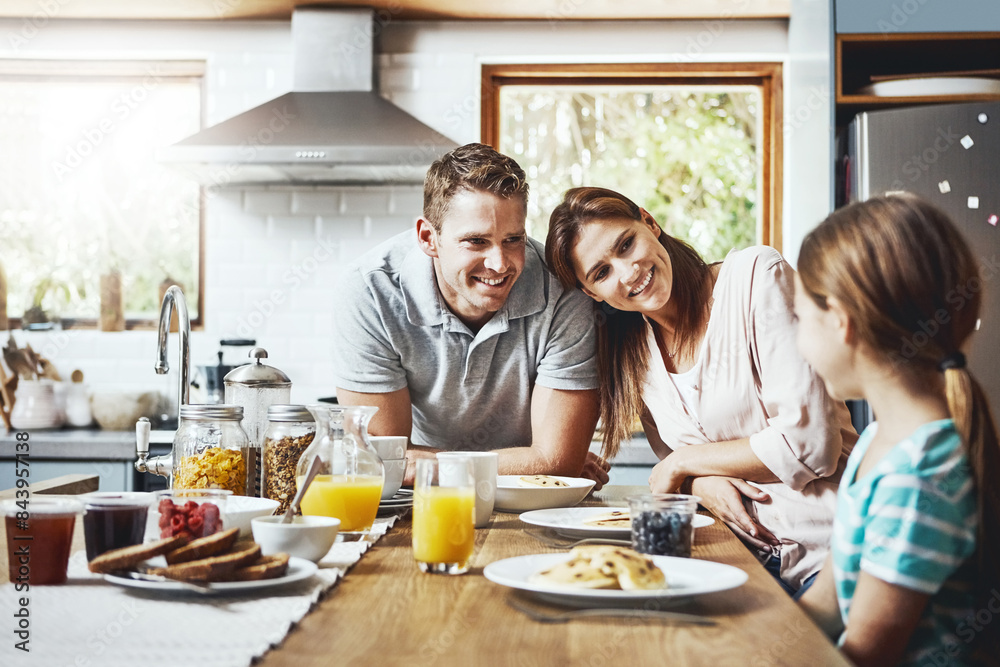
(174, 298)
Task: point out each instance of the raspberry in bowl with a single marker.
(191, 512)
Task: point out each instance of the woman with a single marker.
(706, 356)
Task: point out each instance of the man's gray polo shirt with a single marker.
(393, 329)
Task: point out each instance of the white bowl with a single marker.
(389, 446)
(241, 509)
(394, 469)
(308, 537)
(512, 497)
(120, 411)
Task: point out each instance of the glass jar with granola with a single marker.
(211, 451)
(290, 429)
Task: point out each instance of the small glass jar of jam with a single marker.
(114, 520)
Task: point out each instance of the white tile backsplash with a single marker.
(267, 202)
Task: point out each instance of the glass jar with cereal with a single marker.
(290, 429)
(211, 451)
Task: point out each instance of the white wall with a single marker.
(273, 254)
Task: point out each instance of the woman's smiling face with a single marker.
(621, 262)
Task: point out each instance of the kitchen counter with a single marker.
(108, 454)
(82, 444)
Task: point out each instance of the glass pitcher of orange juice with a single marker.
(349, 483)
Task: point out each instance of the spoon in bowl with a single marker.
(314, 467)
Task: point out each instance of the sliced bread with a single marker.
(128, 557)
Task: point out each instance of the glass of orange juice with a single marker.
(444, 515)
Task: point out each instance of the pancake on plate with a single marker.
(603, 567)
(613, 519)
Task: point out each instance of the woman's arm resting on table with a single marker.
(732, 458)
(820, 602)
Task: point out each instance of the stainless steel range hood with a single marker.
(332, 128)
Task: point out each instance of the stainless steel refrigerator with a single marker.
(949, 154)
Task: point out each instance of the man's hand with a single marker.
(723, 496)
(596, 468)
(412, 454)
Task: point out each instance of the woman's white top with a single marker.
(750, 382)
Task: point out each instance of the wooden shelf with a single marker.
(858, 57)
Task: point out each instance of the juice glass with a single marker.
(353, 499)
(444, 515)
(39, 536)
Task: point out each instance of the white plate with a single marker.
(298, 569)
(569, 521)
(686, 578)
(512, 497)
(933, 85)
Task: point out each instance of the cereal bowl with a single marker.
(308, 537)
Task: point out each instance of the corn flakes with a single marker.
(214, 468)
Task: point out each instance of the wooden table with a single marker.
(386, 612)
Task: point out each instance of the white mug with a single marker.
(484, 466)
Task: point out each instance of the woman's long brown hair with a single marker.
(622, 352)
(911, 286)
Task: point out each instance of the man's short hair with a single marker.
(471, 167)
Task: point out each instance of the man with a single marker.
(463, 339)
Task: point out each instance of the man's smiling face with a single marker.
(478, 253)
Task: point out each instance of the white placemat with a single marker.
(90, 623)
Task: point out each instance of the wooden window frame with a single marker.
(766, 75)
(117, 70)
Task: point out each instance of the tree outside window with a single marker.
(699, 152)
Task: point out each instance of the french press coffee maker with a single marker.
(256, 386)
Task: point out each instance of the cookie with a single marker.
(541, 480)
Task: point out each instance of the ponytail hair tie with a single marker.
(954, 360)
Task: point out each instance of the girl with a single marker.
(883, 312)
(706, 354)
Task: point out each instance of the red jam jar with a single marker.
(114, 520)
(39, 537)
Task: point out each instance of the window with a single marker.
(84, 206)
(696, 145)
